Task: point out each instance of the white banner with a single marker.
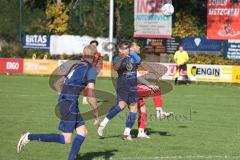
(70, 44)
(149, 21)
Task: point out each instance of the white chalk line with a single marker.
(174, 157)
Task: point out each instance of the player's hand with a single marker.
(96, 121)
(154, 88)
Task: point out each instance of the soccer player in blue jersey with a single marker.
(81, 75)
(125, 63)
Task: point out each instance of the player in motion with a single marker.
(80, 76)
(96, 62)
(126, 66)
(146, 89)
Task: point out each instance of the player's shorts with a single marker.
(127, 91)
(145, 92)
(182, 67)
(69, 115)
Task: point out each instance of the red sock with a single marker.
(142, 119)
(157, 101)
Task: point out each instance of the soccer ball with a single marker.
(167, 9)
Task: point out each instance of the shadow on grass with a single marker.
(182, 126)
(149, 131)
(114, 136)
(106, 155)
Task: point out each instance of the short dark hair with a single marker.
(124, 44)
(94, 41)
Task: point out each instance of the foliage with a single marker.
(57, 16)
(185, 25)
(208, 59)
(8, 19)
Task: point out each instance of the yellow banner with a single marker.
(105, 70)
(236, 74)
(41, 67)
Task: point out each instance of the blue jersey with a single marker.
(129, 65)
(127, 78)
(77, 79)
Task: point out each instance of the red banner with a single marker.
(11, 65)
(223, 19)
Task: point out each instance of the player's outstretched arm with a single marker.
(145, 82)
(93, 102)
(59, 84)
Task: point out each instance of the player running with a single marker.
(145, 89)
(80, 76)
(126, 66)
(95, 62)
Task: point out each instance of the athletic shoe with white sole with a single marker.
(162, 115)
(100, 130)
(22, 142)
(142, 135)
(127, 137)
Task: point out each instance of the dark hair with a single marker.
(124, 44)
(94, 41)
(133, 43)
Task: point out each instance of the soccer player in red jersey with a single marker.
(145, 89)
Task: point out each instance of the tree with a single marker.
(185, 25)
(57, 16)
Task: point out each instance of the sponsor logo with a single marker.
(12, 65)
(205, 71)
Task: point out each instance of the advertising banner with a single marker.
(201, 44)
(223, 19)
(236, 74)
(11, 65)
(70, 44)
(232, 49)
(106, 69)
(149, 21)
(162, 45)
(210, 73)
(205, 73)
(41, 67)
(36, 42)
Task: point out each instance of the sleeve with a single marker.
(91, 75)
(187, 57)
(175, 57)
(115, 59)
(136, 57)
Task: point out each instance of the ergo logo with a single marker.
(12, 65)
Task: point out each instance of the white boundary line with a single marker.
(174, 157)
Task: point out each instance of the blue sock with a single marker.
(58, 138)
(76, 145)
(130, 119)
(112, 113)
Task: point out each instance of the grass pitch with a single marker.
(205, 124)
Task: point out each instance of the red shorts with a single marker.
(145, 92)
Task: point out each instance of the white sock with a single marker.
(159, 109)
(127, 131)
(140, 130)
(104, 122)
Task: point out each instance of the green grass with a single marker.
(205, 126)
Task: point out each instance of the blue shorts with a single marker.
(70, 116)
(127, 91)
